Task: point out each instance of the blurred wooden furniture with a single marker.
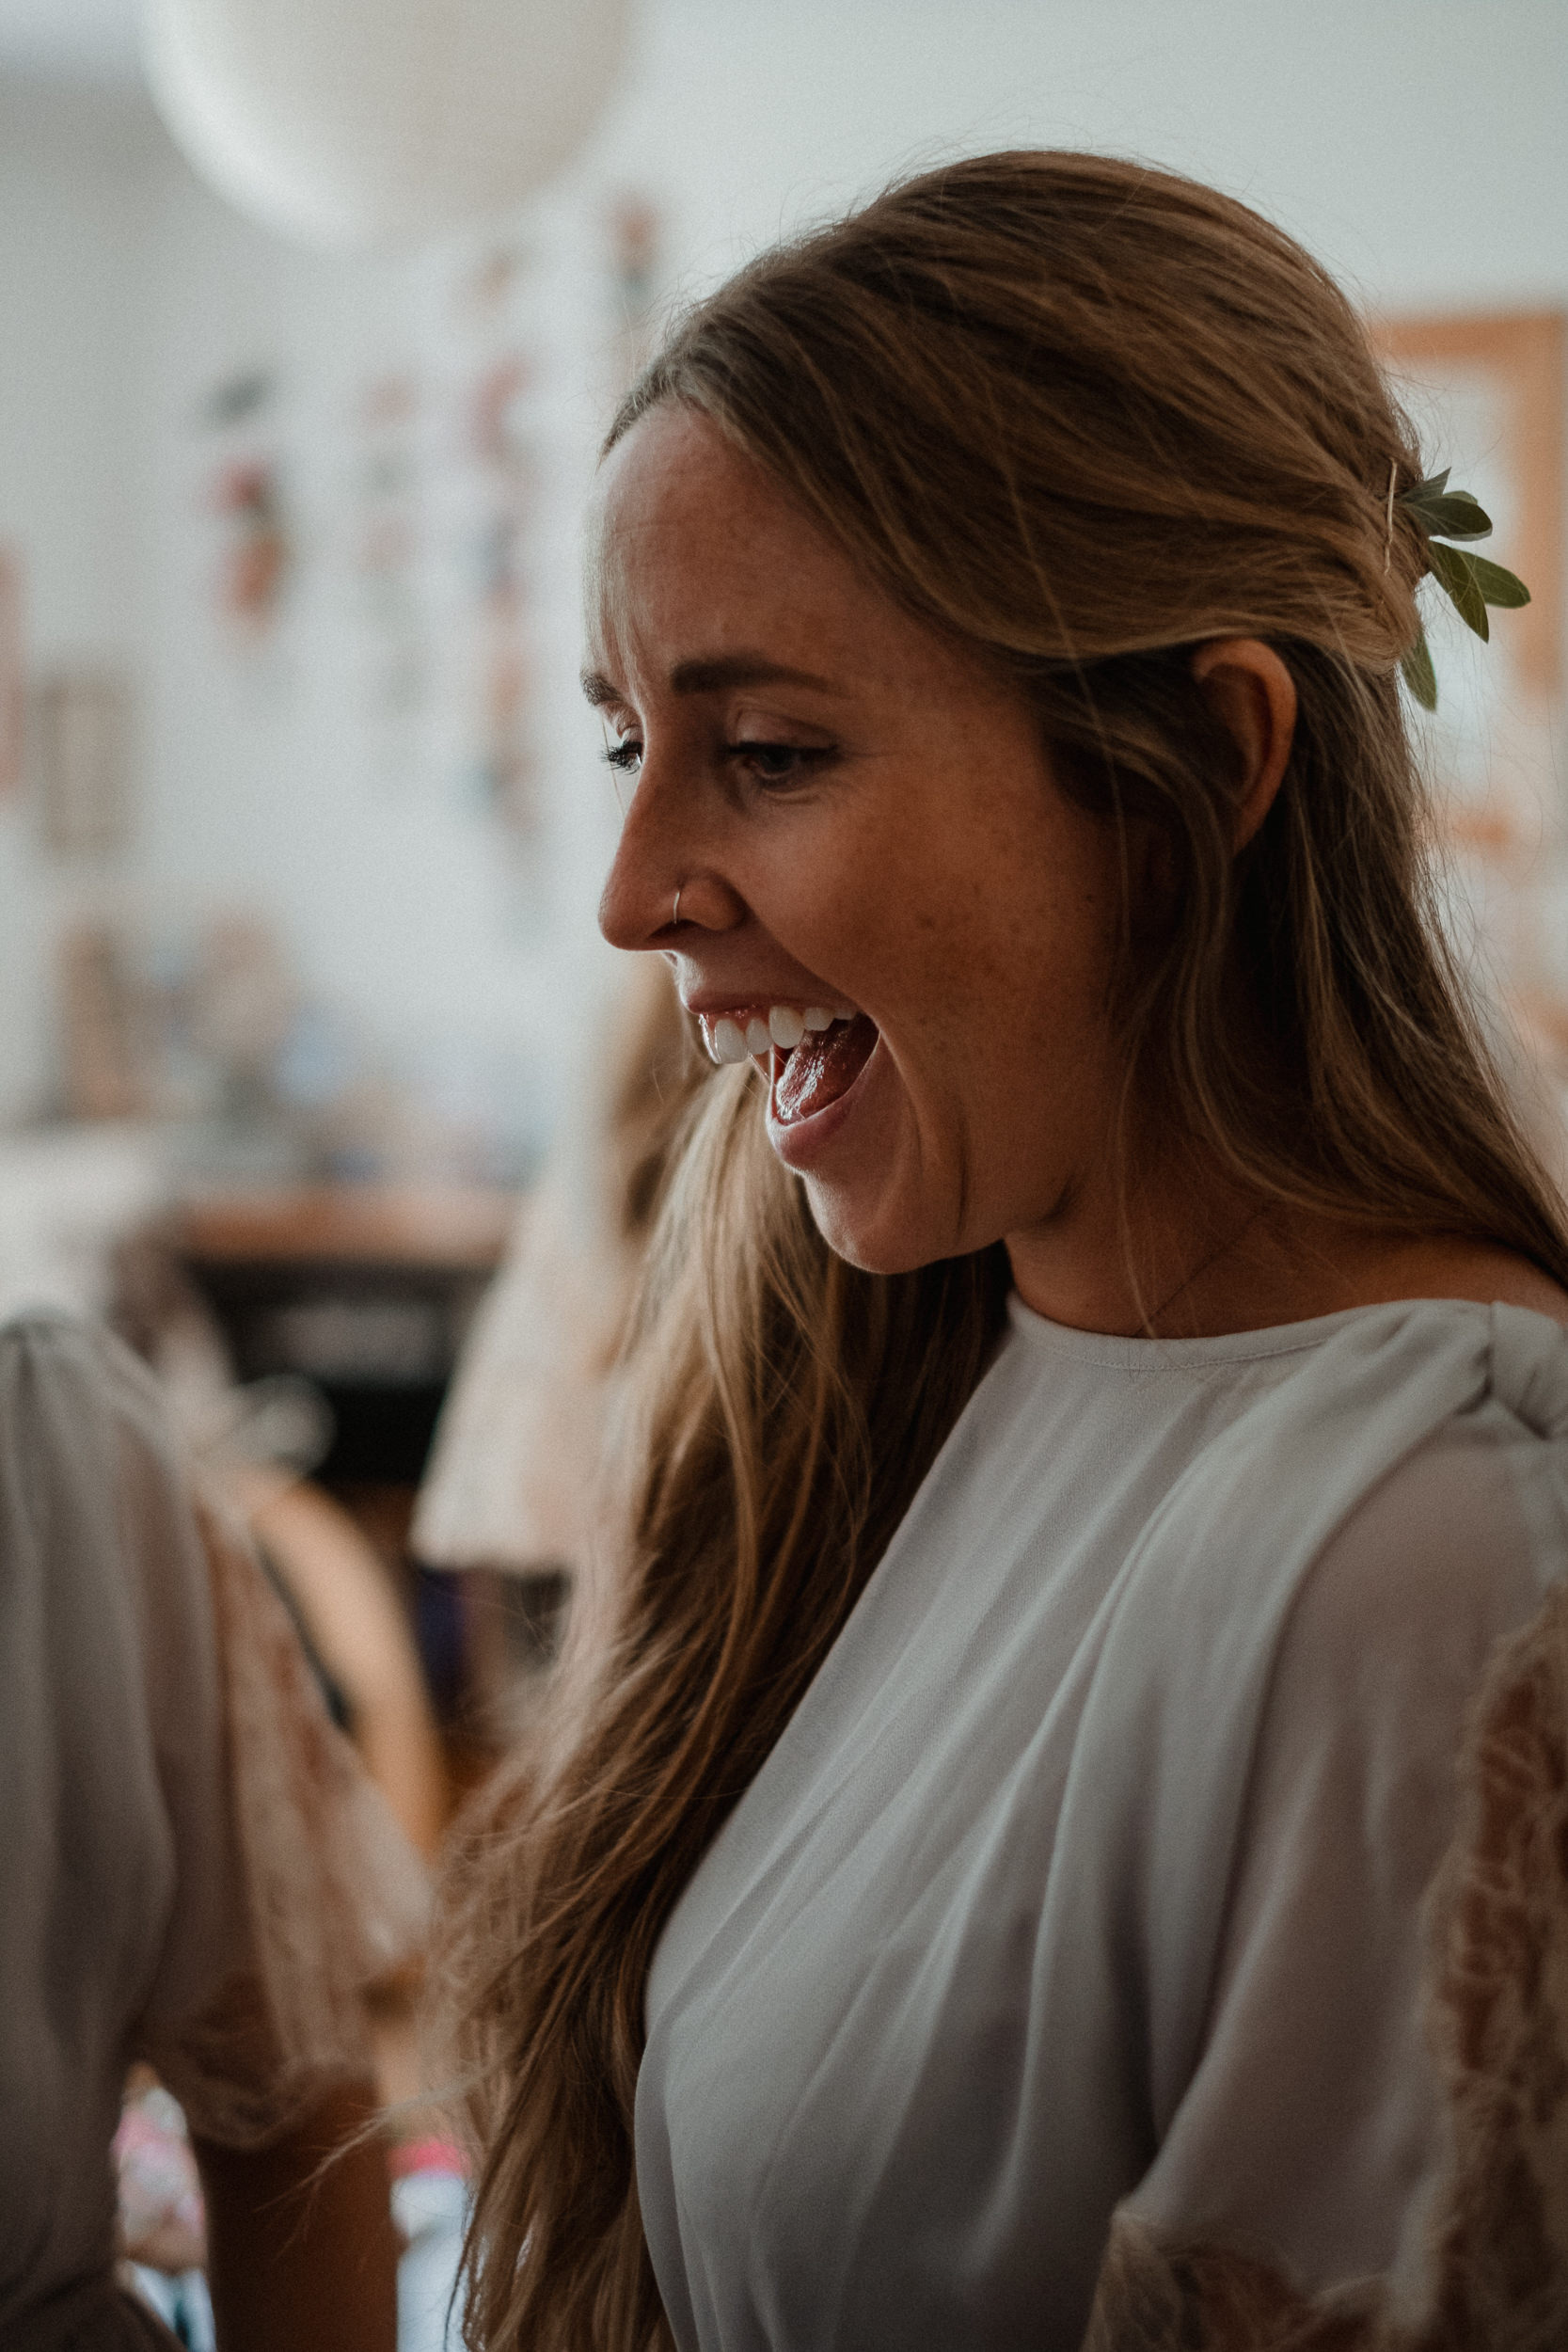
(364, 1290)
(367, 1291)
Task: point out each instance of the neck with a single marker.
(1180, 1254)
(1185, 1252)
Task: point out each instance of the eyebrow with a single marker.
(713, 676)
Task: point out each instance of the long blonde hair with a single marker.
(1077, 416)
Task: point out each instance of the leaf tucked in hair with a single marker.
(1470, 583)
(1451, 568)
(1499, 586)
(1446, 514)
(1417, 673)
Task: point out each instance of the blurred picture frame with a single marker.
(83, 720)
(103, 1042)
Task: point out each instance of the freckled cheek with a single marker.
(934, 1038)
(835, 927)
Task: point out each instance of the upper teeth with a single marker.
(731, 1039)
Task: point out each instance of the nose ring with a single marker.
(676, 914)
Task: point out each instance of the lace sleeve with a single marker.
(334, 1896)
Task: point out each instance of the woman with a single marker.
(1065, 1844)
(194, 1875)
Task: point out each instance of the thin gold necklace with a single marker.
(1202, 1267)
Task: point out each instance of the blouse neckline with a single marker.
(1126, 1353)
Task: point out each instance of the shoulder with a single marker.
(1444, 1555)
(1456, 1545)
(1391, 1509)
(46, 1356)
(69, 1389)
(1512, 1282)
(1480, 1274)
(97, 1501)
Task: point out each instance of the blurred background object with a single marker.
(84, 761)
(352, 121)
(1490, 389)
(13, 676)
(513, 1496)
(163, 2232)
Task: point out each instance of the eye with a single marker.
(776, 763)
(625, 758)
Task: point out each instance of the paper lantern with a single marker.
(357, 122)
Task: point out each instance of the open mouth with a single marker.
(823, 1066)
(813, 1057)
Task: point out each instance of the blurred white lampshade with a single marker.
(355, 122)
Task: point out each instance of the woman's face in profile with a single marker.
(860, 821)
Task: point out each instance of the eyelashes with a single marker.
(768, 763)
(777, 763)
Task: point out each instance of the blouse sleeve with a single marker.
(211, 1882)
(1373, 2149)
(333, 1900)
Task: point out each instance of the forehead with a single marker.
(692, 544)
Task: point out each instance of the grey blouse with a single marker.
(1088, 1921)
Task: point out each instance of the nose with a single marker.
(656, 862)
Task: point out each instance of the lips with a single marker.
(822, 1067)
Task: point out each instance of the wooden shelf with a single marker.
(450, 1228)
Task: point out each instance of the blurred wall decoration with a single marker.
(636, 246)
(104, 1068)
(348, 733)
(86, 759)
(387, 531)
(349, 122)
(248, 499)
(501, 460)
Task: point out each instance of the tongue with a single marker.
(821, 1067)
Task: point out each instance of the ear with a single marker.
(1253, 695)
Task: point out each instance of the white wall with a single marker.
(72, 412)
(392, 891)
(1416, 145)
(406, 903)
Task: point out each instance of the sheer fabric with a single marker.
(195, 1870)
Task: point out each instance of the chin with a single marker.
(872, 1238)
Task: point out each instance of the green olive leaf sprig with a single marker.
(1470, 583)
